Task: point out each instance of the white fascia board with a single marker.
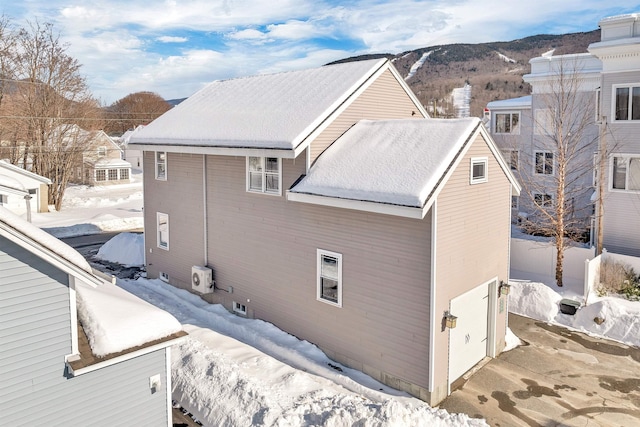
(29, 174)
(220, 151)
(48, 255)
(124, 357)
(359, 205)
(10, 190)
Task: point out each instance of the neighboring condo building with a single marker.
(619, 116)
(555, 125)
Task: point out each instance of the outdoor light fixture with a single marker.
(504, 288)
(450, 320)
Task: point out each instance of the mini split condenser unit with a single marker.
(201, 279)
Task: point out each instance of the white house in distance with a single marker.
(619, 117)
(132, 154)
(18, 185)
(326, 202)
(525, 130)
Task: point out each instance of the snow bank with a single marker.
(236, 371)
(115, 320)
(621, 320)
(539, 301)
(126, 249)
(534, 300)
(512, 341)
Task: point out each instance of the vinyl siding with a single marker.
(35, 337)
(384, 99)
(181, 197)
(265, 248)
(621, 220)
(472, 243)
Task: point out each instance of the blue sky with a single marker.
(174, 47)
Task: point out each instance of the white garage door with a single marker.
(468, 340)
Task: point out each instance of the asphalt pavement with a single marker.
(558, 378)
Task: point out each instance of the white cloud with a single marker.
(117, 40)
(172, 39)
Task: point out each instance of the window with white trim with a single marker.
(625, 173)
(479, 170)
(329, 285)
(161, 165)
(507, 123)
(543, 200)
(626, 102)
(543, 163)
(239, 308)
(101, 175)
(264, 175)
(163, 230)
(124, 173)
(102, 151)
(113, 174)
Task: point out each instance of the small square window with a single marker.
(102, 151)
(507, 123)
(543, 163)
(124, 173)
(101, 175)
(239, 308)
(113, 174)
(479, 170)
(329, 284)
(264, 175)
(543, 200)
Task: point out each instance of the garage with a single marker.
(468, 341)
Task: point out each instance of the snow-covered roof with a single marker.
(275, 111)
(105, 163)
(115, 320)
(521, 102)
(8, 166)
(12, 185)
(398, 162)
(18, 227)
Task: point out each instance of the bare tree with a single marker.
(558, 182)
(50, 97)
(135, 109)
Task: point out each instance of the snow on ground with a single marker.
(237, 371)
(97, 209)
(541, 301)
(126, 249)
(505, 58)
(419, 63)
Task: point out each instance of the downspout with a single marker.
(204, 208)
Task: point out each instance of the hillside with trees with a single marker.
(494, 70)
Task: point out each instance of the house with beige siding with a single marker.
(50, 370)
(326, 202)
(619, 118)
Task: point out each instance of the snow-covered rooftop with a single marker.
(521, 102)
(274, 111)
(112, 163)
(8, 166)
(396, 162)
(14, 222)
(11, 184)
(115, 320)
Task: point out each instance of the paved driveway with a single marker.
(559, 378)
